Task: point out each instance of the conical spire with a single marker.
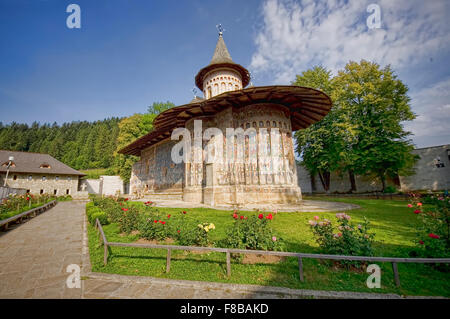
(221, 54)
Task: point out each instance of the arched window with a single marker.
(261, 124)
(209, 92)
(236, 87)
(274, 124)
(230, 87)
(223, 87)
(216, 89)
(268, 123)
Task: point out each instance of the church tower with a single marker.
(222, 74)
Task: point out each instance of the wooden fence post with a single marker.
(105, 253)
(228, 265)
(169, 251)
(396, 277)
(300, 268)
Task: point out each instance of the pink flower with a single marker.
(417, 211)
(235, 216)
(419, 204)
(339, 234)
(274, 238)
(316, 217)
(431, 235)
(409, 205)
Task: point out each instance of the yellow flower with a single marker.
(212, 226)
(206, 229)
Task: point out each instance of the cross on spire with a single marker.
(220, 29)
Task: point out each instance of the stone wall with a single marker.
(432, 170)
(111, 185)
(39, 183)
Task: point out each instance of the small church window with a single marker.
(55, 191)
(247, 125)
(15, 177)
(67, 191)
(56, 178)
(254, 124)
(261, 124)
(44, 178)
(44, 165)
(280, 125)
(268, 123)
(41, 191)
(30, 177)
(274, 124)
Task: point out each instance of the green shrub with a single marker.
(390, 190)
(252, 232)
(433, 232)
(101, 216)
(349, 240)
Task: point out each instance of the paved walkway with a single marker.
(34, 257)
(315, 206)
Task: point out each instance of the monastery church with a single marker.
(227, 103)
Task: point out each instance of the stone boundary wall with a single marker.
(105, 185)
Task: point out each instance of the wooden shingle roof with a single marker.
(305, 106)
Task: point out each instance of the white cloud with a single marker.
(432, 106)
(298, 35)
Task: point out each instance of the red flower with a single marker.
(163, 222)
(421, 242)
(235, 216)
(125, 209)
(410, 205)
(242, 217)
(155, 221)
(269, 216)
(126, 199)
(184, 212)
(260, 216)
(417, 211)
(28, 198)
(419, 204)
(431, 235)
(168, 216)
(178, 231)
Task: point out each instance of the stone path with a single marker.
(315, 206)
(34, 257)
(35, 254)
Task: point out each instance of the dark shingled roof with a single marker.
(222, 59)
(26, 162)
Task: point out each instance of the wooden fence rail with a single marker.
(5, 222)
(300, 256)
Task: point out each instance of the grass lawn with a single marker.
(392, 222)
(95, 173)
(23, 209)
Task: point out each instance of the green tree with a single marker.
(321, 146)
(132, 128)
(376, 103)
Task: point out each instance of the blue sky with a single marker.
(131, 53)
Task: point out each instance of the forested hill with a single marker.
(81, 145)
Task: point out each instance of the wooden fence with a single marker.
(6, 191)
(29, 213)
(299, 256)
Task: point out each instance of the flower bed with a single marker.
(150, 223)
(433, 231)
(16, 204)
